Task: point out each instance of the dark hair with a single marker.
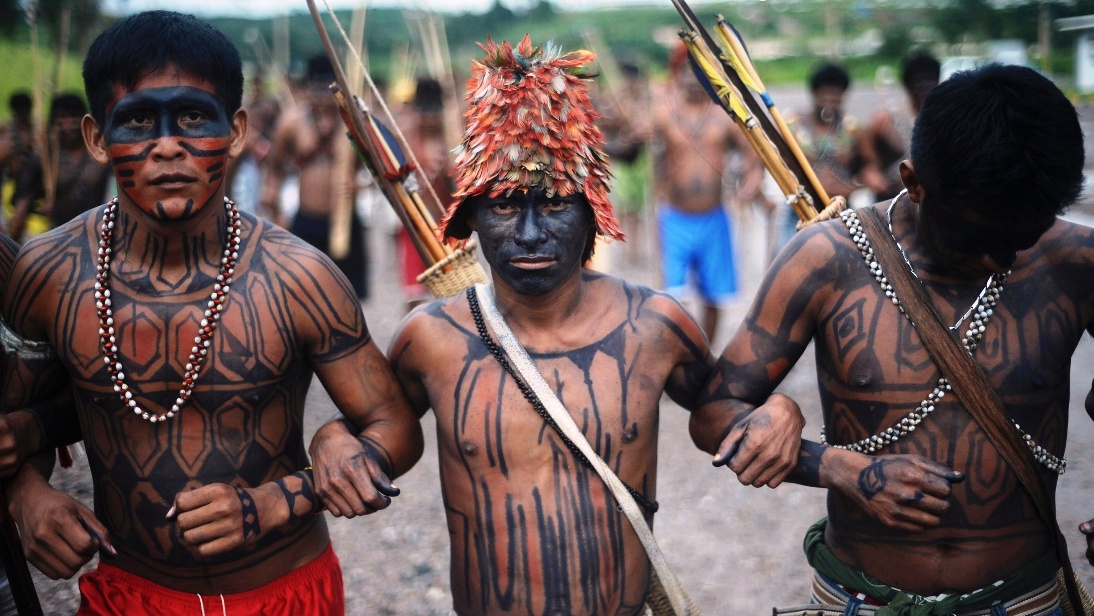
(67, 104)
(829, 75)
(1001, 140)
(428, 96)
(20, 103)
(319, 70)
(920, 67)
(151, 41)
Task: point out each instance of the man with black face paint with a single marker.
(189, 334)
(924, 514)
(532, 529)
(80, 182)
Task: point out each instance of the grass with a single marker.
(18, 73)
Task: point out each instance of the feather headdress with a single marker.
(530, 124)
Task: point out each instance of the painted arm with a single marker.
(872, 175)
(59, 533)
(327, 318)
(339, 448)
(908, 492)
(759, 444)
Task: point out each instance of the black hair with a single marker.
(20, 103)
(150, 41)
(1001, 140)
(319, 70)
(428, 97)
(829, 75)
(67, 104)
(920, 67)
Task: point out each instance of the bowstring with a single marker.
(383, 105)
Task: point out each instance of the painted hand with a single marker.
(906, 492)
(60, 535)
(1087, 528)
(348, 476)
(217, 518)
(763, 447)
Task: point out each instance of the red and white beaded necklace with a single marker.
(205, 332)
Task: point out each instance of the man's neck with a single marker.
(145, 241)
(549, 312)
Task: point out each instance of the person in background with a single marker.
(694, 228)
(827, 136)
(305, 139)
(885, 142)
(80, 182)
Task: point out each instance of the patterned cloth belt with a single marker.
(1029, 579)
(1042, 601)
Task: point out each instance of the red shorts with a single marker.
(312, 590)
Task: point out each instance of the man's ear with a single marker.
(237, 138)
(911, 181)
(93, 140)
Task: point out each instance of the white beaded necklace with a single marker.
(981, 306)
(208, 325)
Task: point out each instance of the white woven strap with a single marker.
(527, 370)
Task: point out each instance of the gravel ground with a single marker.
(737, 550)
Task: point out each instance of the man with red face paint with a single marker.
(190, 391)
(533, 530)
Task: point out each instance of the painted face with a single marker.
(532, 242)
(69, 135)
(168, 145)
(828, 103)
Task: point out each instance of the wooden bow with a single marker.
(388, 158)
(731, 79)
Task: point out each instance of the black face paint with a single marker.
(531, 241)
(190, 126)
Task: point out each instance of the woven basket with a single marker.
(463, 271)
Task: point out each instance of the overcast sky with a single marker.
(266, 8)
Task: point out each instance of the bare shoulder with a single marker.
(294, 283)
(653, 315)
(439, 328)
(1068, 240)
(1067, 248)
(275, 250)
(816, 248)
(45, 266)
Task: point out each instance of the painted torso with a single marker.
(243, 425)
(532, 530)
(873, 369)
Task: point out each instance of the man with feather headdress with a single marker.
(532, 529)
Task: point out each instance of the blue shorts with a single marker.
(697, 248)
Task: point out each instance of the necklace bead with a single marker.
(202, 341)
(982, 307)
